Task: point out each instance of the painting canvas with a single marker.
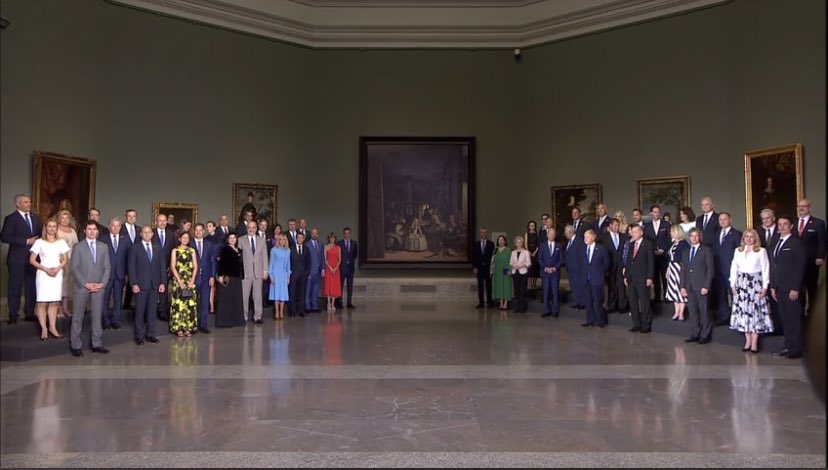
(565, 198)
(773, 180)
(670, 193)
(416, 201)
(63, 182)
(262, 199)
(175, 212)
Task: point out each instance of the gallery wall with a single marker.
(174, 111)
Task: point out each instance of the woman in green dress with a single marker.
(184, 308)
(501, 280)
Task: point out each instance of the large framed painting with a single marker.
(63, 182)
(773, 180)
(261, 199)
(416, 201)
(565, 198)
(175, 212)
(670, 193)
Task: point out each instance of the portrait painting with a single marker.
(773, 180)
(565, 198)
(63, 182)
(416, 201)
(175, 212)
(669, 193)
(261, 199)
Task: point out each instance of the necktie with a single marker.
(347, 245)
(253, 245)
(767, 236)
(569, 245)
(576, 226)
(94, 254)
(706, 218)
(314, 244)
(149, 251)
(778, 247)
(224, 229)
(551, 248)
(115, 242)
(801, 226)
(482, 246)
(722, 237)
(29, 223)
(300, 250)
(198, 245)
(615, 240)
(692, 254)
(162, 236)
(131, 230)
(635, 249)
(589, 254)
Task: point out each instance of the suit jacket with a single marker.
(292, 239)
(84, 269)
(600, 228)
(573, 254)
(596, 269)
(699, 274)
(317, 257)
(711, 233)
(147, 275)
(221, 236)
(15, 232)
(547, 259)
(170, 242)
(348, 257)
(542, 235)
(482, 260)
(581, 228)
(662, 239)
(679, 254)
(641, 266)
(119, 259)
(300, 265)
(207, 265)
(768, 244)
(125, 233)
(103, 230)
(616, 254)
(814, 238)
(255, 264)
(788, 265)
(723, 254)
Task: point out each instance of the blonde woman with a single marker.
(520, 261)
(279, 274)
(749, 280)
(622, 219)
(674, 255)
(52, 252)
(66, 232)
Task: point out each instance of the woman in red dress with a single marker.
(331, 288)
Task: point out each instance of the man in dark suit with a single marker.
(551, 260)
(148, 280)
(638, 277)
(132, 232)
(241, 229)
(657, 231)
(637, 217)
(542, 233)
(578, 225)
(573, 260)
(697, 273)
(708, 222)
(223, 229)
(95, 214)
(787, 283)
(482, 253)
(303, 229)
(164, 237)
(350, 254)
(602, 221)
(205, 278)
(292, 232)
(300, 265)
(118, 260)
(812, 233)
(316, 250)
(728, 240)
(21, 229)
(769, 236)
(596, 265)
(615, 241)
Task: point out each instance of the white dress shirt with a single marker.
(750, 262)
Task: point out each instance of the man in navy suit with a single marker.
(165, 238)
(350, 253)
(148, 280)
(132, 232)
(708, 222)
(638, 277)
(292, 232)
(768, 236)
(697, 273)
(574, 261)
(550, 260)
(615, 241)
(596, 265)
(118, 261)
(206, 274)
(482, 253)
(223, 229)
(95, 214)
(812, 233)
(317, 269)
(728, 240)
(241, 229)
(578, 225)
(542, 235)
(299, 272)
(21, 229)
(657, 231)
(787, 282)
(602, 221)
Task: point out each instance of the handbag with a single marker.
(186, 294)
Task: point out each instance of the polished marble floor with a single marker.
(413, 384)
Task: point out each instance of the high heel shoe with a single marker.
(44, 338)
(56, 336)
(746, 349)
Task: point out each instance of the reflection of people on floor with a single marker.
(416, 240)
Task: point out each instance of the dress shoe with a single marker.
(722, 322)
(704, 340)
(782, 353)
(601, 325)
(480, 305)
(206, 331)
(587, 324)
(746, 349)
(645, 331)
(755, 351)
(351, 306)
(258, 322)
(791, 355)
(77, 352)
(116, 326)
(105, 327)
(152, 339)
(139, 341)
(694, 339)
(12, 321)
(634, 329)
(302, 315)
(547, 314)
(100, 350)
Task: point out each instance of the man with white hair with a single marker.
(708, 222)
(21, 229)
(812, 233)
(119, 246)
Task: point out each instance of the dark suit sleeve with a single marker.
(709, 268)
(162, 267)
(799, 263)
(356, 251)
(650, 254)
(132, 266)
(8, 234)
(822, 239)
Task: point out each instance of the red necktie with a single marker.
(635, 250)
(801, 226)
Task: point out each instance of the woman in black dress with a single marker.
(531, 237)
(229, 311)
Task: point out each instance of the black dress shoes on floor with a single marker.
(152, 339)
(12, 321)
(478, 306)
(77, 352)
(100, 350)
(704, 340)
(645, 331)
(781, 353)
(694, 339)
(139, 341)
(206, 331)
(634, 329)
(547, 314)
(587, 324)
(351, 306)
(259, 321)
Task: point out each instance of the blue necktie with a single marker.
(29, 223)
(692, 255)
(94, 254)
(161, 233)
(149, 252)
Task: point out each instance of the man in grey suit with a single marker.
(90, 270)
(697, 271)
(254, 258)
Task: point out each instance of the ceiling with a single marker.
(418, 23)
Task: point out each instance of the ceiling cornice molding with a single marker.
(310, 23)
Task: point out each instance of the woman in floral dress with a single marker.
(184, 308)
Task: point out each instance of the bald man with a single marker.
(812, 233)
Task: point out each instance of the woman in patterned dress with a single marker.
(674, 272)
(67, 233)
(184, 266)
(749, 279)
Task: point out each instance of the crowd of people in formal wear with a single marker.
(179, 275)
(757, 281)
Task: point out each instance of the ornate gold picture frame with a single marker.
(63, 182)
(175, 211)
(773, 180)
(671, 193)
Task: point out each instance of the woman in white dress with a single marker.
(416, 239)
(66, 232)
(49, 279)
(749, 278)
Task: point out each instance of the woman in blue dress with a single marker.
(279, 273)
